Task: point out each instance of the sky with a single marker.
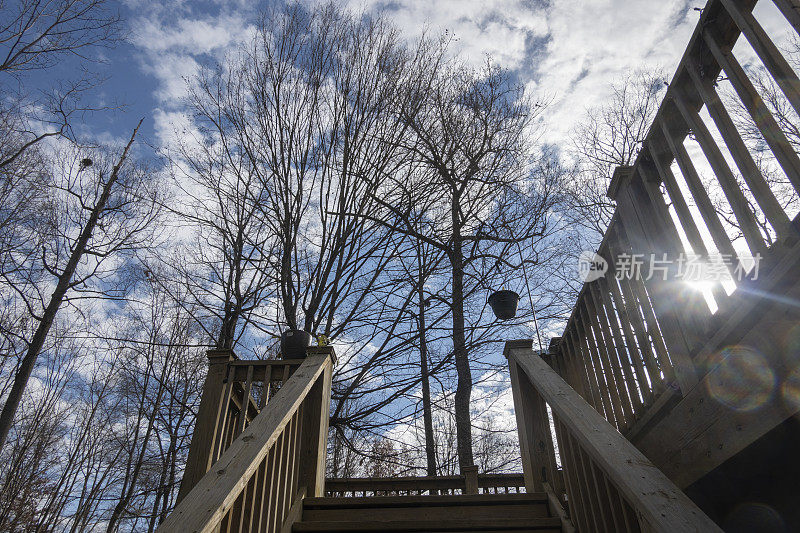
(566, 51)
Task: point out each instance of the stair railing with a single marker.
(230, 384)
(638, 341)
(605, 483)
(259, 480)
(415, 486)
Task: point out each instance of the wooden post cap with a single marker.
(621, 175)
(216, 355)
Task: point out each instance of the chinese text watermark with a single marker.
(687, 267)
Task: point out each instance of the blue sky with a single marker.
(567, 50)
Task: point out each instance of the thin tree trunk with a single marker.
(57, 298)
(427, 417)
(463, 372)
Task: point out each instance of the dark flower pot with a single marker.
(504, 304)
(294, 343)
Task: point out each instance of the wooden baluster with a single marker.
(585, 343)
(772, 58)
(616, 386)
(283, 488)
(596, 490)
(576, 367)
(291, 485)
(702, 201)
(583, 360)
(578, 509)
(724, 175)
(286, 484)
(604, 496)
(275, 485)
(597, 520)
(654, 329)
(561, 476)
(681, 321)
(608, 314)
(790, 10)
(615, 504)
(237, 511)
(553, 476)
(226, 417)
(262, 492)
(575, 370)
(634, 314)
(225, 523)
(250, 507)
(631, 520)
(209, 420)
(599, 374)
(762, 116)
(266, 387)
(635, 352)
(567, 366)
(760, 189)
(246, 391)
(662, 236)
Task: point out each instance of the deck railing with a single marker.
(230, 384)
(414, 486)
(604, 482)
(274, 458)
(637, 343)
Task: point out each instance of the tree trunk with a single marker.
(427, 417)
(463, 372)
(49, 315)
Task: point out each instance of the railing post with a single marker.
(681, 327)
(314, 429)
(532, 423)
(604, 469)
(470, 474)
(199, 460)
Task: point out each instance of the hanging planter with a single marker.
(504, 304)
(294, 343)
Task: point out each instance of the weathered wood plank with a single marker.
(209, 414)
(741, 155)
(724, 175)
(772, 58)
(762, 116)
(659, 503)
(215, 493)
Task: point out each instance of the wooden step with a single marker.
(423, 525)
(509, 513)
(477, 506)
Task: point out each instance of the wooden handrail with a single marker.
(230, 384)
(279, 456)
(635, 346)
(487, 483)
(609, 483)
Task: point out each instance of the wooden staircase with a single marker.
(515, 513)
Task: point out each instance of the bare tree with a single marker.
(93, 216)
(471, 139)
(35, 35)
(610, 136)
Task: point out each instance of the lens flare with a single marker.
(790, 389)
(754, 517)
(740, 379)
